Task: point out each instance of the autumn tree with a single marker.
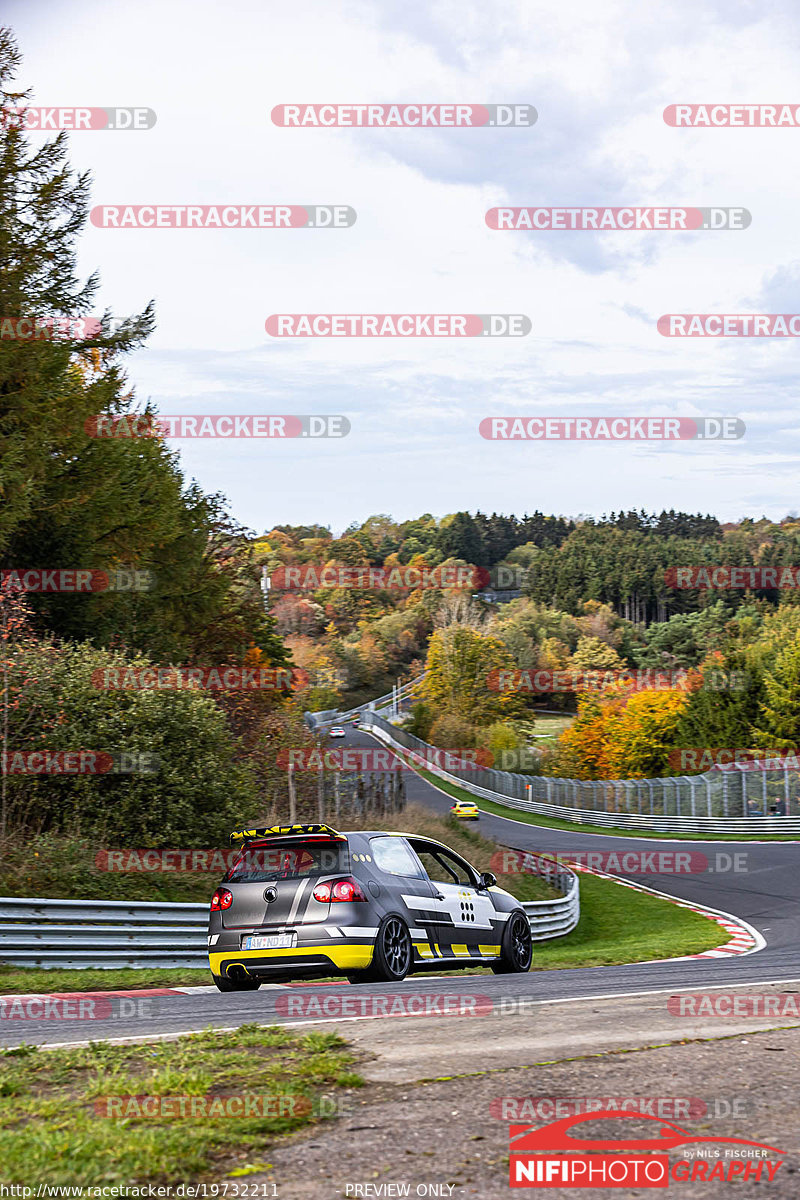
(779, 716)
(619, 734)
(458, 668)
(592, 654)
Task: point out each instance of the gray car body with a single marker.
(452, 925)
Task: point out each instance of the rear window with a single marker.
(290, 860)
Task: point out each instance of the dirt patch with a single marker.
(444, 1134)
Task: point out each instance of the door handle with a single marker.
(438, 896)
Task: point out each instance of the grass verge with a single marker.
(50, 1132)
(19, 980)
(619, 925)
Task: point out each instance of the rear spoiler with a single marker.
(263, 831)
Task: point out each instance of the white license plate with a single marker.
(269, 941)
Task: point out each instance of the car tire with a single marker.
(393, 955)
(516, 948)
(245, 984)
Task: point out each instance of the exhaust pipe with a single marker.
(237, 971)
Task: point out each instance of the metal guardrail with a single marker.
(387, 700)
(334, 716)
(718, 802)
(316, 720)
(106, 934)
(103, 934)
(552, 918)
(78, 934)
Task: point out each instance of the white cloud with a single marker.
(600, 77)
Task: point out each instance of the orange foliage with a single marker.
(621, 734)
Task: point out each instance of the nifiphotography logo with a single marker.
(584, 1161)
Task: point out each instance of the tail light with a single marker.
(221, 899)
(338, 890)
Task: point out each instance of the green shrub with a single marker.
(452, 733)
(195, 796)
(422, 716)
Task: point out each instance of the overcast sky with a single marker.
(600, 76)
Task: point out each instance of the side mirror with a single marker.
(487, 880)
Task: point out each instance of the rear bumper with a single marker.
(323, 958)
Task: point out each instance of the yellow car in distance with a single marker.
(465, 810)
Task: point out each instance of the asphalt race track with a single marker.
(765, 894)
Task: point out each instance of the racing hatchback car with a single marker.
(304, 901)
(465, 810)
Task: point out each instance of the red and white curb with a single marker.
(743, 938)
(139, 993)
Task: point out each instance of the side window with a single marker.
(442, 866)
(434, 869)
(392, 855)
